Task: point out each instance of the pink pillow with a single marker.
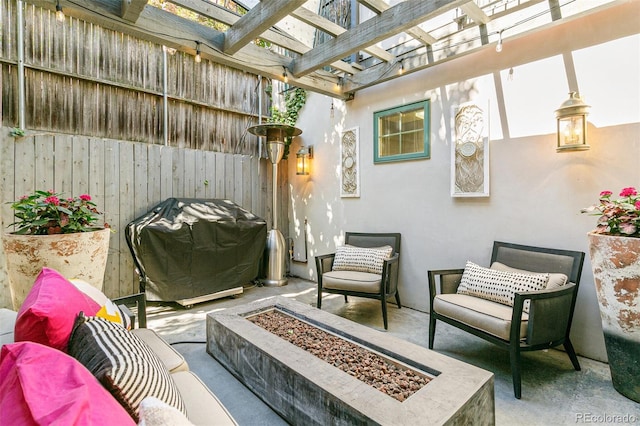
(67, 394)
(49, 311)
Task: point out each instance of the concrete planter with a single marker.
(81, 255)
(616, 270)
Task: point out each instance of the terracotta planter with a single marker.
(616, 270)
(82, 255)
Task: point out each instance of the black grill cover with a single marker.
(187, 247)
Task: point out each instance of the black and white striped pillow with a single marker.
(499, 286)
(361, 259)
(123, 363)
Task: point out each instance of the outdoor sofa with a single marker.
(41, 383)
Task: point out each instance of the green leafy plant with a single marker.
(617, 217)
(17, 132)
(46, 213)
(294, 101)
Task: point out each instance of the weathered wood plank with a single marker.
(141, 179)
(25, 180)
(177, 165)
(210, 174)
(220, 175)
(200, 175)
(166, 173)
(229, 178)
(127, 209)
(189, 167)
(63, 162)
(44, 163)
(80, 167)
(154, 178)
(112, 216)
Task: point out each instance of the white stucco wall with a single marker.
(536, 194)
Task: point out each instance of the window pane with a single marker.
(390, 145)
(411, 121)
(412, 142)
(389, 124)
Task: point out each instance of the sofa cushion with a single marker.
(154, 412)
(204, 408)
(7, 325)
(364, 282)
(556, 280)
(491, 317)
(361, 259)
(49, 310)
(108, 309)
(40, 385)
(499, 286)
(123, 363)
(167, 354)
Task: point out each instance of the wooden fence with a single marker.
(98, 105)
(126, 180)
(83, 79)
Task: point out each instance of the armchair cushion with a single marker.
(363, 282)
(491, 317)
(556, 280)
(361, 259)
(499, 286)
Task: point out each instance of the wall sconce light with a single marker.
(303, 156)
(572, 124)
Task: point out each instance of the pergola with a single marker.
(384, 42)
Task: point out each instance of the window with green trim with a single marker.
(401, 133)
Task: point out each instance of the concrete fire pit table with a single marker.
(305, 390)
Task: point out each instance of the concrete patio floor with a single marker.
(553, 393)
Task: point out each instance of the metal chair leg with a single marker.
(514, 357)
(572, 354)
(432, 330)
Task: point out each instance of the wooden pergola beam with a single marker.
(379, 6)
(474, 12)
(258, 19)
(397, 18)
(227, 17)
(131, 9)
(323, 24)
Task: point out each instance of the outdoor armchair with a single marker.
(472, 299)
(366, 266)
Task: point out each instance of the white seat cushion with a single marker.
(203, 407)
(167, 354)
(491, 317)
(364, 282)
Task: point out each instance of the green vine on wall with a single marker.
(294, 101)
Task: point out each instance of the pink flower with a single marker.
(637, 205)
(85, 197)
(52, 200)
(70, 200)
(628, 192)
(605, 193)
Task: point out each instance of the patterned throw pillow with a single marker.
(361, 259)
(499, 286)
(123, 363)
